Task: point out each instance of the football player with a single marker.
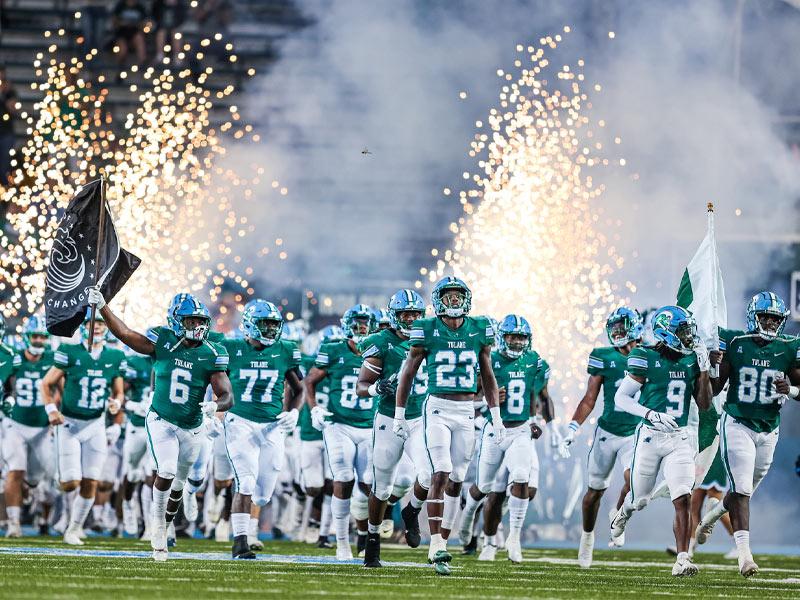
(255, 428)
(184, 363)
(659, 386)
(27, 443)
(516, 368)
(613, 436)
(456, 348)
(92, 380)
(762, 368)
(384, 353)
(347, 435)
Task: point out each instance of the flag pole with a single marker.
(713, 279)
(100, 235)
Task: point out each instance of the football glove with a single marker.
(499, 432)
(318, 415)
(212, 427)
(112, 434)
(386, 388)
(95, 296)
(6, 404)
(564, 446)
(556, 436)
(661, 421)
(114, 404)
(209, 408)
(137, 408)
(287, 420)
(703, 360)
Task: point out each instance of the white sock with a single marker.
(159, 506)
(147, 503)
(325, 517)
(517, 509)
(80, 509)
(69, 500)
(683, 556)
(240, 523)
(416, 502)
(97, 512)
(450, 511)
(742, 539)
(13, 513)
(373, 528)
(468, 514)
(340, 511)
(490, 540)
(587, 536)
(437, 543)
(253, 531)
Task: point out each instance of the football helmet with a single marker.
(177, 299)
(623, 326)
(382, 319)
(444, 285)
(354, 318)
(766, 303)
(676, 328)
(262, 322)
(514, 325)
(192, 308)
(332, 333)
(98, 318)
(404, 301)
(34, 325)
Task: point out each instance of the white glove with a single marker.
(318, 415)
(114, 404)
(287, 420)
(112, 434)
(499, 432)
(400, 425)
(137, 408)
(556, 436)
(95, 296)
(703, 361)
(212, 427)
(564, 446)
(209, 408)
(661, 421)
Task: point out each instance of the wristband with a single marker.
(573, 426)
(50, 408)
(495, 412)
(794, 391)
(373, 389)
(399, 412)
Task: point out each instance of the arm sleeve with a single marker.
(417, 337)
(323, 357)
(61, 358)
(624, 399)
(595, 366)
(220, 359)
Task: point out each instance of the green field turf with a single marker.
(546, 574)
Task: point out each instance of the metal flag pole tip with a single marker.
(710, 207)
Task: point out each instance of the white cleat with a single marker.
(189, 505)
(222, 532)
(254, 542)
(732, 554)
(586, 549)
(13, 530)
(615, 542)
(514, 548)
(619, 523)
(147, 534)
(158, 541)
(488, 553)
(61, 525)
(344, 552)
(706, 526)
(386, 528)
(130, 523)
(748, 567)
(72, 535)
(684, 567)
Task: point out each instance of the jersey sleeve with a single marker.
(486, 329)
(418, 329)
(796, 353)
(156, 335)
(63, 358)
(596, 364)
(295, 356)
(324, 356)
(725, 337)
(637, 362)
(221, 357)
(372, 347)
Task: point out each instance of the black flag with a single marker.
(71, 269)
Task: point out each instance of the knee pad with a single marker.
(359, 507)
(194, 484)
(398, 491)
(381, 490)
(424, 479)
(246, 485)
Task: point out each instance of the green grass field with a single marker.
(28, 571)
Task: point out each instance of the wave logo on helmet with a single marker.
(766, 315)
(405, 307)
(451, 297)
(262, 322)
(676, 328)
(623, 326)
(67, 266)
(514, 336)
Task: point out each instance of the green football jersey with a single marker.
(342, 366)
(392, 350)
(307, 431)
(182, 375)
(6, 363)
(518, 376)
(610, 364)
(28, 375)
(258, 377)
(452, 354)
(668, 383)
(751, 398)
(88, 382)
(138, 375)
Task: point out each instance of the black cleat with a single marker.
(277, 534)
(411, 525)
(323, 542)
(372, 552)
(361, 544)
(472, 547)
(241, 549)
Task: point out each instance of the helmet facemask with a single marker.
(686, 333)
(514, 345)
(454, 302)
(619, 334)
(769, 325)
(35, 343)
(269, 330)
(403, 320)
(195, 328)
(360, 327)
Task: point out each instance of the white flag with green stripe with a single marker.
(701, 290)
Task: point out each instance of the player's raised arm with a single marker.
(133, 339)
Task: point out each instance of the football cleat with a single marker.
(514, 548)
(344, 552)
(189, 505)
(72, 535)
(471, 548)
(13, 530)
(387, 528)
(619, 522)
(372, 552)
(614, 542)
(488, 553)
(171, 537)
(255, 543)
(586, 549)
(684, 567)
(324, 542)
(361, 544)
(748, 567)
(158, 541)
(241, 549)
(441, 568)
(410, 517)
(130, 523)
(706, 526)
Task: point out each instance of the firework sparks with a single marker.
(528, 241)
(172, 204)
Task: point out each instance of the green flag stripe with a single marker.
(685, 295)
